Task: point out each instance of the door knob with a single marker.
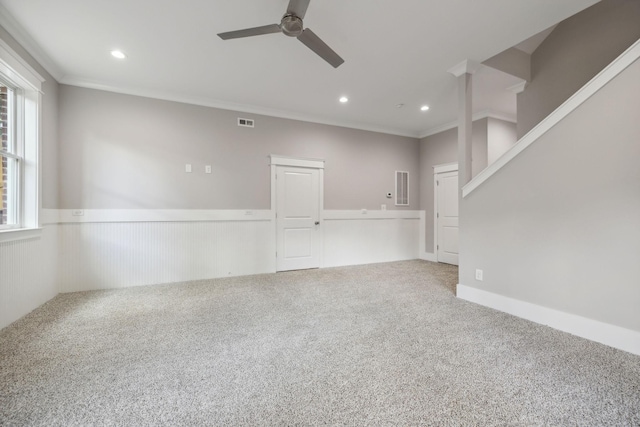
(317, 222)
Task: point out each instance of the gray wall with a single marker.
(31, 279)
(501, 136)
(121, 151)
(439, 149)
(559, 226)
(578, 49)
(49, 154)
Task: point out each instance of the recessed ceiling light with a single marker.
(118, 54)
(424, 108)
(344, 99)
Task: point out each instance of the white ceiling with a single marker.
(395, 51)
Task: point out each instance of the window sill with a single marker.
(14, 234)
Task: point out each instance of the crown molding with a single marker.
(484, 114)
(518, 87)
(468, 66)
(231, 106)
(16, 31)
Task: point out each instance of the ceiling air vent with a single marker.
(248, 123)
(402, 188)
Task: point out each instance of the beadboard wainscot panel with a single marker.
(27, 274)
(105, 255)
(366, 237)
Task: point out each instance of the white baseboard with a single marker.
(604, 333)
(429, 256)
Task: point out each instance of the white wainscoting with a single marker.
(122, 254)
(27, 274)
(354, 237)
(105, 249)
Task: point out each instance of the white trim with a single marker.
(24, 39)
(352, 238)
(429, 256)
(63, 216)
(321, 213)
(484, 114)
(232, 106)
(26, 74)
(518, 87)
(438, 169)
(28, 133)
(12, 235)
(422, 243)
(155, 215)
(299, 162)
(329, 215)
(604, 333)
(278, 160)
(445, 167)
(589, 89)
(468, 66)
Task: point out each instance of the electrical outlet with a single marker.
(187, 168)
(207, 169)
(383, 207)
(479, 275)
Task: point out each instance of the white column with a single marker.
(463, 72)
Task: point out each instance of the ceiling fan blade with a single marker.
(248, 32)
(298, 8)
(314, 43)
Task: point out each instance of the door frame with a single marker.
(299, 162)
(438, 169)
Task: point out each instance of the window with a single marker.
(10, 165)
(20, 100)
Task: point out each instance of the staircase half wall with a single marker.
(555, 224)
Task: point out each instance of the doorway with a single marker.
(446, 213)
(297, 194)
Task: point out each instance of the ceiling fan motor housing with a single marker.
(291, 25)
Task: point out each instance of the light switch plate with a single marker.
(187, 168)
(479, 275)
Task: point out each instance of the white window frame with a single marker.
(27, 85)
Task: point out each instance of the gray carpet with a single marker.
(385, 344)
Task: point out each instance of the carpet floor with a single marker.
(385, 344)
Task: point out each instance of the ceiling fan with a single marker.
(291, 25)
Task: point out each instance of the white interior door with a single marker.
(297, 218)
(447, 217)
